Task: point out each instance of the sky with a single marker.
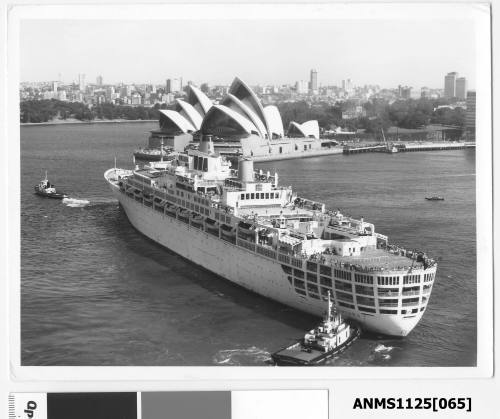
(266, 52)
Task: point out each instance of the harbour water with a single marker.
(94, 291)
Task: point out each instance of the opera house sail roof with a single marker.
(239, 114)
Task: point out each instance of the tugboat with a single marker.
(48, 190)
(331, 337)
(434, 198)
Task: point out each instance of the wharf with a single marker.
(301, 154)
(402, 147)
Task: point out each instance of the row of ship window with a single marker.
(346, 300)
(326, 283)
(260, 195)
(428, 277)
(361, 278)
(196, 199)
(368, 279)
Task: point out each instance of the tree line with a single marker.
(48, 110)
(379, 113)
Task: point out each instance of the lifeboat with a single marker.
(246, 231)
(197, 221)
(183, 215)
(228, 232)
(171, 210)
(212, 226)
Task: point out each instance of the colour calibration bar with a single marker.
(265, 404)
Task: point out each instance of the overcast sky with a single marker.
(387, 53)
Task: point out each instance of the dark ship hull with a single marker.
(54, 195)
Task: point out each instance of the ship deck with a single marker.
(373, 259)
(274, 211)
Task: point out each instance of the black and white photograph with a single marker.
(253, 190)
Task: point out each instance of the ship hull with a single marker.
(252, 271)
(55, 195)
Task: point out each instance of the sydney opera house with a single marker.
(239, 126)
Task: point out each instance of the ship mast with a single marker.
(329, 306)
(383, 135)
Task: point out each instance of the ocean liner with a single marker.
(242, 225)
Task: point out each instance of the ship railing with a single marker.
(408, 293)
(345, 299)
(246, 244)
(266, 252)
(417, 255)
(297, 262)
(282, 257)
(360, 266)
(384, 304)
(381, 293)
(410, 303)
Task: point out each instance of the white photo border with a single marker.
(477, 13)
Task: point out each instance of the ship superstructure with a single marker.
(242, 225)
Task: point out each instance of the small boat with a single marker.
(48, 190)
(153, 154)
(331, 337)
(434, 198)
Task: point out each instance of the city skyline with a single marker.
(274, 54)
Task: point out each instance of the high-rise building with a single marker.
(81, 82)
(313, 82)
(461, 88)
(173, 85)
(470, 116)
(347, 85)
(301, 87)
(98, 80)
(450, 85)
(424, 92)
(54, 86)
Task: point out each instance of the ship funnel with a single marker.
(245, 170)
(206, 144)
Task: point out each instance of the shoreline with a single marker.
(75, 121)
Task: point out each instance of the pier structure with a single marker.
(401, 147)
(434, 146)
(364, 148)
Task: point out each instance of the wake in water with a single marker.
(248, 356)
(383, 349)
(382, 352)
(75, 203)
(81, 203)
